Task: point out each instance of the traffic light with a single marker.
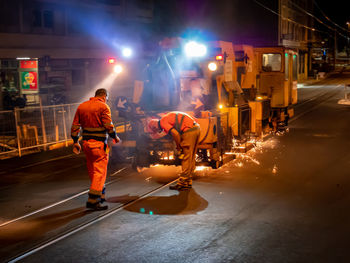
(112, 60)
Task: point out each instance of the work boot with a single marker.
(180, 187)
(96, 206)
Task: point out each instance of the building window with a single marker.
(36, 22)
(48, 19)
(290, 28)
(42, 18)
(302, 64)
(284, 27)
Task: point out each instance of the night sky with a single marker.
(336, 10)
(227, 19)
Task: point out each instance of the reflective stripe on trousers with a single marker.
(97, 161)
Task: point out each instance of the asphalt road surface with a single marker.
(286, 200)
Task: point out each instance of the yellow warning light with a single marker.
(212, 66)
(221, 106)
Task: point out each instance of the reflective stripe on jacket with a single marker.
(94, 118)
(177, 120)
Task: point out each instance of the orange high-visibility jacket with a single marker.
(94, 118)
(177, 120)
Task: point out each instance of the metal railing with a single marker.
(35, 128)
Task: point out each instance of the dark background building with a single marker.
(72, 40)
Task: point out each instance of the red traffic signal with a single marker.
(111, 60)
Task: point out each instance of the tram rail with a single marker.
(60, 202)
(84, 225)
(316, 102)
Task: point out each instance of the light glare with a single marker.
(127, 52)
(118, 69)
(212, 66)
(194, 49)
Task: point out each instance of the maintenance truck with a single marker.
(235, 92)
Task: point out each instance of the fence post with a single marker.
(17, 133)
(43, 124)
(55, 124)
(69, 114)
(64, 126)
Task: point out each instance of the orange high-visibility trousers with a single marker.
(97, 160)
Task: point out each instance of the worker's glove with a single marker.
(76, 148)
(116, 140)
(178, 149)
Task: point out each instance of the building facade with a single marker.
(71, 39)
(296, 31)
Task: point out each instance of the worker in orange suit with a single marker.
(185, 132)
(93, 120)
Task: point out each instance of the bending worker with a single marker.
(185, 132)
(94, 118)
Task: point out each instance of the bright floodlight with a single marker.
(118, 69)
(194, 49)
(127, 52)
(212, 66)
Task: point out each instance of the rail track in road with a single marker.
(314, 103)
(84, 225)
(35, 164)
(59, 202)
(43, 217)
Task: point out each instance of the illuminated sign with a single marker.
(28, 64)
(29, 81)
(28, 76)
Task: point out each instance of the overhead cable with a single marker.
(317, 19)
(288, 19)
(343, 28)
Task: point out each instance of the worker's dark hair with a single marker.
(101, 92)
